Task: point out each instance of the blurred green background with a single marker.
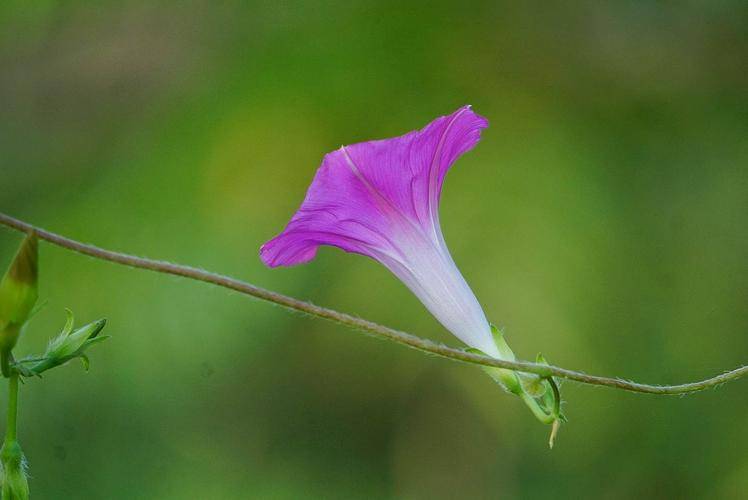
(601, 220)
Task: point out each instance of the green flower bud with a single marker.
(68, 345)
(18, 294)
(15, 484)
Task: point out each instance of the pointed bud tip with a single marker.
(554, 432)
(18, 291)
(25, 266)
(97, 327)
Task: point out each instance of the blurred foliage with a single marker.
(602, 220)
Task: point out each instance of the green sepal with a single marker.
(538, 391)
(507, 379)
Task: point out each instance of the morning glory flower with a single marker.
(381, 199)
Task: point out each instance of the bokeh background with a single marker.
(601, 220)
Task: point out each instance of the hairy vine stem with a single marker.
(369, 327)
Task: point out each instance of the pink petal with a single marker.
(363, 192)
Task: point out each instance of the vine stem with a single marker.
(366, 326)
(10, 424)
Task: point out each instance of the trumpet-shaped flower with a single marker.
(381, 199)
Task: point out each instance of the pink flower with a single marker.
(381, 199)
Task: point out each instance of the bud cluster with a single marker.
(18, 297)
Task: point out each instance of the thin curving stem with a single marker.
(366, 326)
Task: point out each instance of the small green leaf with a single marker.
(68, 322)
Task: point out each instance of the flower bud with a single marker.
(18, 294)
(15, 484)
(69, 344)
